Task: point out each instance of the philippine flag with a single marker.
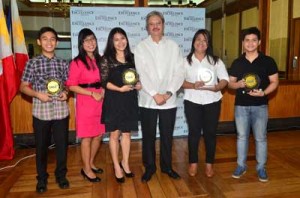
(19, 47)
(8, 89)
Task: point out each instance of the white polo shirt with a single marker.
(160, 67)
(191, 75)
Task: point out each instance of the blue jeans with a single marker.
(255, 117)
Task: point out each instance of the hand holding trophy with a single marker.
(53, 87)
(252, 81)
(207, 77)
(130, 77)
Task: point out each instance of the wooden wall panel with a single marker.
(296, 8)
(285, 103)
(249, 18)
(217, 36)
(21, 114)
(278, 34)
(231, 36)
(227, 110)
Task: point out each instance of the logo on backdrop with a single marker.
(191, 29)
(173, 24)
(193, 18)
(106, 18)
(128, 13)
(83, 24)
(104, 29)
(129, 24)
(174, 35)
(174, 13)
(82, 12)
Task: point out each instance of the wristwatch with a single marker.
(169, 93)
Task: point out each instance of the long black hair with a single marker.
(85, 32)
(212, 59)
(110, 51)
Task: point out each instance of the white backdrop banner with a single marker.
(180, 25)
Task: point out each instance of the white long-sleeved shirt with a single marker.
(160, 67)
(191, 75)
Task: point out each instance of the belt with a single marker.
(96, 85)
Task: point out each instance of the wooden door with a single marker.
(294, 57)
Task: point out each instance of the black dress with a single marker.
(120, 109)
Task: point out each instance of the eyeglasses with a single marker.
(89, 40)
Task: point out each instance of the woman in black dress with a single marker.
(120, 106)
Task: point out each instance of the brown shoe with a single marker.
(209, 171)
(193, 167)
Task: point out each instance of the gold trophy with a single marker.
(252, 81)
(53, 87)
(130, 77)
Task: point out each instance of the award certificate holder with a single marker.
(130, 77)
(207, 76)
(252, 81)
(53, 86)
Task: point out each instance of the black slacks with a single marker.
(202, 118)
(166, 119)
(43, 130)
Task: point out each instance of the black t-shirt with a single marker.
(263, 66)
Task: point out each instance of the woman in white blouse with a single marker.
(205, 77)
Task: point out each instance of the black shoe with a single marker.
(172, 174)
(147, 176)
(96, 179)
(120, 180)
(63, 183)
(41, 186)
(131, 174)
(97, 170)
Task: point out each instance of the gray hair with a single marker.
(154, 13)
